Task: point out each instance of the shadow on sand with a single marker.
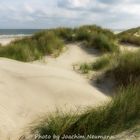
(104, 84)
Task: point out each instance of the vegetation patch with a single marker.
(99, 64)
(131, 36)
(34, 47)
(102, 43)
(51, 42)
(120, 114)
(129, 39)
(126, 69)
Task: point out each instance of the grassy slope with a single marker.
(51, 42)
(131, 36)
(33, 48)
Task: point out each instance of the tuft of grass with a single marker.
(54, 124)
(85, 67)
(102, 43)
(127, 68)
(99, 64)
(122, 113)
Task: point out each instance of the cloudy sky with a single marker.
(116, 14)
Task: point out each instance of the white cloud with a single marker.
(46, 13)
(29, 8)
(78, 3)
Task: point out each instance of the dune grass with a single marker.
(99, 64)
(130, 39)
(102, 43)
(21, 52)
(126, 69)
(122, 113)
(33, 48)
(131, 36)
(67, 34)
(51, 42)
(123, 67)
(97, 38)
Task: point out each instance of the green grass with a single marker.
(58, 122)
(88, 31)
(67, 34)
(99, 64)
(130, 37)
(102, 43)
(126, 69)
(85, 67)
(20, 52)
(122, 113)
(51, 42)
(33, 48)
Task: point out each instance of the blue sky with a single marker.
(116, 14)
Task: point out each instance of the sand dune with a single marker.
(31, 89)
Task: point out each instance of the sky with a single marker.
(114, 14)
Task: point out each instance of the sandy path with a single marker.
(28, 90)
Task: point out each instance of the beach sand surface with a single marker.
(5, 41)
(29, 90)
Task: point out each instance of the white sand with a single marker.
(5, 41)
(30, 89)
